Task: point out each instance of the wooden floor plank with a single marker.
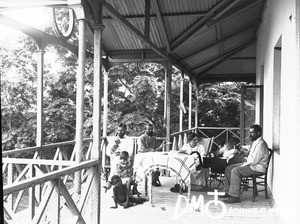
(163, 211)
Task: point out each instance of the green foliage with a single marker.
(219, 104)
(18, 94)
(18, 91)
(136, 96)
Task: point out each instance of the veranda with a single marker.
(207, 41)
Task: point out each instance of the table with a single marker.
(179, 164)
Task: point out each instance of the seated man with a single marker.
(116, 144)
(256, 164)
(147, 143)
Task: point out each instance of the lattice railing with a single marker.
(220, 134)
(38, 184)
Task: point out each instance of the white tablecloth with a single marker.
(178, 164)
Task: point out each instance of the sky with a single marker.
(36, 17)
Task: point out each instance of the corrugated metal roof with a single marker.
(203, 38)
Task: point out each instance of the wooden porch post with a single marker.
(190, 103)
(80, 100)
(105, 112)
(105, 102)
(165, 101)
(39, 100)
(39, 131)
(96, 150)
(181, 102)
(196, 107)
(242, 117)
(168, 105)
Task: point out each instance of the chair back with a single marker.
(207, 144)
(269, 159)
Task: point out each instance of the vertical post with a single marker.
(40, 66)
(80, 100)
(105, 101)
(196, 108)
(39, 119)
(10, 180)
(242, 125)
(105, 112)
(165, 101)
(95, 154)
(168, 105)
(31, 196)
(190, 103)
(181, 102)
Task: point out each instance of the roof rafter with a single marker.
(118, 17)
(166, 16)
(243, 5)
(218, 8)
(226, 37)
(147, 18)
(161, 26)
(226, 56)
(249, 77)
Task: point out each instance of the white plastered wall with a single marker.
(280, 20)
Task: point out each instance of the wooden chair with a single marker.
(217, 171)
(207, 144)
(258, 179)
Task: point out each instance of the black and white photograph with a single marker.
(150, 111)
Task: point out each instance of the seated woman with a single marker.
(198, 177)
(227, 151)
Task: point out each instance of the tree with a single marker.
(219, 104)
(136, 95)
(18, 94)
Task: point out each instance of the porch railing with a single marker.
(220, 134)
(41, 179)
(31, 175)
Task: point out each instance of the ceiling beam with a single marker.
(208, 61)
(226, 37)
(225, 57)
(113, 62)
(161, 26)
(127, 25)
(165, 16)
(133, 54)
(243, 5)
(147, 18)
(218, 8)
(250, 77)
(243, 58)
(226, 9)
(217, 29)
